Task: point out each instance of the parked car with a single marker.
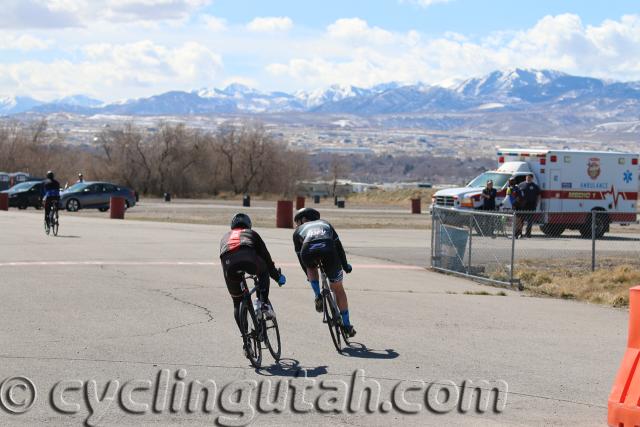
(25, 194)
(94, 195)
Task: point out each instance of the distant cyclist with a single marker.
(51, 194)
(243, 250)
(317, 243)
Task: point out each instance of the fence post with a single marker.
(433, 237)
(593, 240)
(470, 238)
(514, 222)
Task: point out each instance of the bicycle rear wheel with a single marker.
(332, 316)
(250, 335)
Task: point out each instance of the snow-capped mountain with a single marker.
(79, 101)
(334, 93)
(507, 84)
(17, 104)
(499, 91)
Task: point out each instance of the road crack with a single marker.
(205, 310)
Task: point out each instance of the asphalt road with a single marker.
(115, 300)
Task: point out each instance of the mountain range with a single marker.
(515, 90)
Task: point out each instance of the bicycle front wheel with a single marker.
(331, 315)
(272, 337)
(250, 335)
(55, 224)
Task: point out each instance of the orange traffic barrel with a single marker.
(117, 207)
(284, 214)
(4, 202)
(624, 406)
(416, 207)
(299, 202)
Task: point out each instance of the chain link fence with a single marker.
(504, 247)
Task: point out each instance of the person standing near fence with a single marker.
(489, 197)
(514, 196)
(489, 204)
(531, 196)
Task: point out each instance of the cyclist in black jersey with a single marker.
(243, 250)
(51, 190)
(317, 244)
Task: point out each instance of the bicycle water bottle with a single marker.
(257, 305)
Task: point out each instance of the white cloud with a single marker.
(151, 10)
(356, 29)
(214, 23)
(117, 71)
(348, 51)
(18, 14)
(563, 42)
(24, 42)
(270, 24)
(425, 3)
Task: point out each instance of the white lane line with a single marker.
(182, 263)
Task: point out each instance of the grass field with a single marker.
(573, 279)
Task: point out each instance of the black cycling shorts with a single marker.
(235, 264)
(322, 253)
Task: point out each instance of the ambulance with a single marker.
(573, 183)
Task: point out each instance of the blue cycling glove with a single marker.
(348, 269)
(282, 280)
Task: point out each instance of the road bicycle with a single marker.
(256, 327)
(51, 222)
(331, 315)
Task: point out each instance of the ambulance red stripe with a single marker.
(588, 195)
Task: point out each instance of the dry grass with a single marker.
(573, 279)
(394, 197)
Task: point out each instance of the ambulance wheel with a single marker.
(602, 226)
(552, 230)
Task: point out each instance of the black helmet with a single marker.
(50, 175)
(309, 214)
(241, 220)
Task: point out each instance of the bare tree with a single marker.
(243, 158)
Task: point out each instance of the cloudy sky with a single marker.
(116, 49)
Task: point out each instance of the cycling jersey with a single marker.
(320, 237)
(51, 188)
(240, 238)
